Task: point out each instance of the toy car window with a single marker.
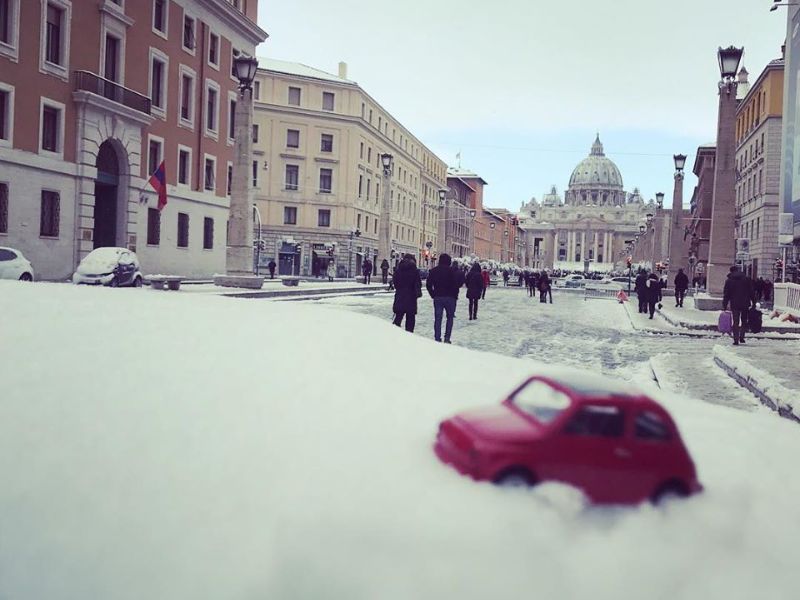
(651, 426)
(542, 401)
(599, 421)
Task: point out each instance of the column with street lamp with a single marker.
(385, 228)
(677, 247)
(239, 253)
(354, 234)
(658, 226)
(721, 250)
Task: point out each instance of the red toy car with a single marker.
(616, 446)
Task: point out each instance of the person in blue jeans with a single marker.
(443, 284)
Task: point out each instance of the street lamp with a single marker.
(239, 255)
(384, 239)
(729, 61)
(676, 246)
(660, 200)
(680, 161)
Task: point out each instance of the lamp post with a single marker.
(491, 233)
(239, 253)
(658, 227)
(442, 223)
(676, 243)
(505, 246)
(721, 249)
(385, 233)
(353, 234)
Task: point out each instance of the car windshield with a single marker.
(541, 401)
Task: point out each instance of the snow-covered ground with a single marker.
(183, 446)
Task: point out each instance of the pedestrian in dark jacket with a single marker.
(681, 285)
(738, 293)
(545, 289)
(652, 293)
(408, 287)
(505, 277)
(366, 270)
(271, 266)
(767, 290)
(442, 284)
(486, 282)
(474, 289)
(641, 291)
(384, 270)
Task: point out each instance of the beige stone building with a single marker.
(591, 223)
(318, 141)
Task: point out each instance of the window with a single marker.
(210, 174)
(358, 221)
(292, 175)
(6, 114)
(255, 134)
(184, 165)
(183, 230)
(158, 75)
(292, 138)
(325, 179)
(651, 426)
(290, 215)
(153, 227)
(324, 218)
(326, 142)
(208, 233)
(213, 49)
(53, 34)
(50, 214)
(154, 154)
(111, 66)
(212, 108)
(360, 185)
(366, 223)
(5, 21)
(600, 421)
(361, 151)
(188, 33)
(327, 100)
(51, 128)
(257, 90)
(369, 154)
(232, 119)
(255, 173)
(3, 208)
(187, 97)
(160, 16)
(294, 96)
(229, 179)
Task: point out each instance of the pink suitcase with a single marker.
(725, 324)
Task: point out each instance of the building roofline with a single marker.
(777, 64)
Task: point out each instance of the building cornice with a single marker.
(235, 19)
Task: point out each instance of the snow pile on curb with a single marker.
(766, 386)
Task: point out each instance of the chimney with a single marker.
(343, 70)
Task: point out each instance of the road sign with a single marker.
(742, 256)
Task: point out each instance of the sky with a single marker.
(521, 87)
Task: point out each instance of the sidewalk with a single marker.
(771, 373)
(690, 318)
(273, 288)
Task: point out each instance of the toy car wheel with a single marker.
(137, 282)
(114, 282)
(26, 277)
(669, 491)
(515, 477)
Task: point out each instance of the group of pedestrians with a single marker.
(648, 290)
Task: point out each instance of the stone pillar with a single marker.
(596, 245)
(721, 251)
(584, 254)
(676, 241)
(385, 225)
(239, 257)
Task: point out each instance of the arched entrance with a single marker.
(105, 197)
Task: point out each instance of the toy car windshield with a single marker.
(541, 401)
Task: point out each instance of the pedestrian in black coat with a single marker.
(271, 266)
(681, 285)
(384, 270)
(408, 288)
(738, 293)
(652, 293)
(474, 283)
(641, 292)
(545, 288)
(443, 284)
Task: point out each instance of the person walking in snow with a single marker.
(384, 270)
(505, 277)
(641, 290)
(486, 282)
(442, 285)
(474, 283)
(366, 270)
(271, 266)
(681, 285)
(738, 293)
(408, 288)
(652, 293)
(545, 288)
(331, 270)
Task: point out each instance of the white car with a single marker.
(13, 265)
(115, 267)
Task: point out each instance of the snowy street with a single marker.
(168, 445)
(593, 334)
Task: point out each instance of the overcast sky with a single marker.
(520, 87)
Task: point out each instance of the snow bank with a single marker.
(178, 446)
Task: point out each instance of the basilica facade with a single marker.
(589, 227)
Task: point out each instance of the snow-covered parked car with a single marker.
(616, 445)
(573, 281)
(13, 265)
(111, 266)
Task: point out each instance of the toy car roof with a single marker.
(593, 386)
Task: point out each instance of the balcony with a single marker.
(138, 105)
